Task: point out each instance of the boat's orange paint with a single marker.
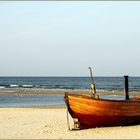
(101, 112)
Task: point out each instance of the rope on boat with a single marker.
(68, 120)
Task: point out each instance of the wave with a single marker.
(59, 86)
(17, 86)
(2, 87)
(27, 86)
(13, 86)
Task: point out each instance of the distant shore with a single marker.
(55, 91)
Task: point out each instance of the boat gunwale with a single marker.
(101, 99)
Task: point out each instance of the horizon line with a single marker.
(64, 76)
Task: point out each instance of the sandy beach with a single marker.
(51, 51)
(51, 123)
(35, 123)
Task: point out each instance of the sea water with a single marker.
(9, 84)
(31, 100)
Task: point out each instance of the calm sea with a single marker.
(55, 83)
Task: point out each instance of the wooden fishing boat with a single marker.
(93, 111)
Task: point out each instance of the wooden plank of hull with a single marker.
(92, 112)
(123, 108)
(94, 121)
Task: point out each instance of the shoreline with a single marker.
(57, 91)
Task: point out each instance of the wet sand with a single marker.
(47, 91)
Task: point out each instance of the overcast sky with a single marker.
(63, 38)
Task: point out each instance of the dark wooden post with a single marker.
(126, 87)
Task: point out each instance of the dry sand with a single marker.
(35, 123)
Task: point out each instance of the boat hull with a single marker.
(100, 112)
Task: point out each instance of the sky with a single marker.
(64, 38)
